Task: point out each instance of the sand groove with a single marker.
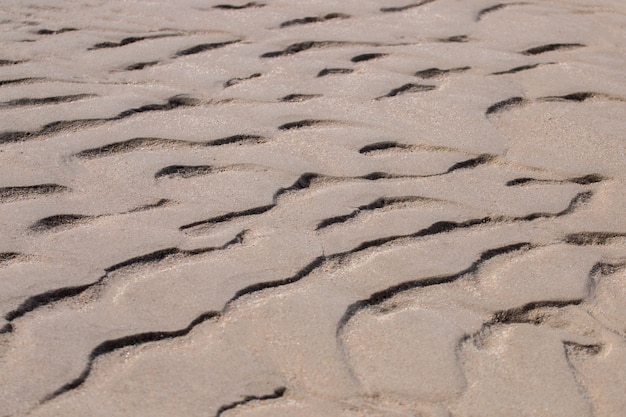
(70, 125)
(278, 393)
(316, 264)
(16, 193)
(57, 295)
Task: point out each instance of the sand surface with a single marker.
(313, 208)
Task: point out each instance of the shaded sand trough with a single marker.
(357, 208)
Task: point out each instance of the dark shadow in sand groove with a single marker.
(535, 312)
(278, 393)
(21, 81)
(403, 8)
(304, 181)
(455, 39)
(249, 5)
(127, 341)
(236, 139)
(184, 171)
(66, 125)
(8, 194)
(587, 179)
(304, 272)
(584, 180)
(593, 238)
(378, 204)
(203, 47)
(161, 203)
(381, 146)
(471, 163)
(302, 46)
(578, 97)
(308, 178)
(408, 88)
(314, 19)
(131, 340)
(445, 226)
(551, 47)
(518, 69)
(229, 216)
(435, 228)
(130, 40)
(573, 348)
(490, 9)
(381, 296)
(505, 105)
(300, 124)
(59, 294)
(392, 145)
(495, 8)
(45, 100)
(131, 145)
(334, 71)
(7, 62)
(157, 143)
(605, 268)
(522, 314)
(299, 97)
(60, 220)
(580, 199)
(55, 32)
(141, 65)
(437, 72)
(368, 57)
(234, 81)
(529, 313)
(8, 256)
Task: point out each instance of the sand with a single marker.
(356, 208)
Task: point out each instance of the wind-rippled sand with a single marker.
(356, 208)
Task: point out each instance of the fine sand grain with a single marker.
(313, 208)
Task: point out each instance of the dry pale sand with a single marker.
(313, 208)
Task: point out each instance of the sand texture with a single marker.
(313, 208)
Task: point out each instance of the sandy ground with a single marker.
(313, 208)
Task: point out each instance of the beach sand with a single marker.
(356, 208)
